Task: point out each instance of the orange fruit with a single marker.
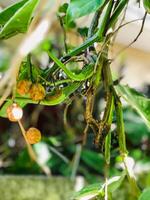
(37, 92)
(33, 135)
(14, 112)
(23, 87)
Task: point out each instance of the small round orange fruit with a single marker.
(23, 87)
(14, 112)
(37, 92)
(33, 135)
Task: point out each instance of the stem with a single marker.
(136, 38)
(107, 162)
(95, 19)
(29, 147)
(32, 154)
(30, 74)
(117, 12)
(64, 33)
(120, 127)
(135, 191)
(76, 161)
(85, 73)
(104, 21)
(82, 47)
(107, 148)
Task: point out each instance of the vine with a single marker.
(23, 82)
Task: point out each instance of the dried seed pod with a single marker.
(37, 92)
(23, 87)
(14, 112)
(33, 135)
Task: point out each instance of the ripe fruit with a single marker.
(33, 135)
(37, 92)
(146, 4)
(23, 87)
(14, 112)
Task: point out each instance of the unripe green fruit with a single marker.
(146, 4)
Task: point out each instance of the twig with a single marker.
(64, 33)
(54, 150)
(136, 38)
(30, 150)
(121, 22)
(76, 161)
(65, 112)
(85, 135)
(32, 154)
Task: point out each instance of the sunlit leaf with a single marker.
(97, 190)
(114, 183)
(16, 18)
(81, 8)
(88, 192)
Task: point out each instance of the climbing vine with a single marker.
(25, 83)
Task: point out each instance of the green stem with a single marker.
(30, 74)
(85, 73)
(107, 148)
(117, 12)
(82, 47)
(120, 127)
(104, 21)
(95, 20)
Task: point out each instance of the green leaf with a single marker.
(81, 8)
(97, 190)
(16, 18)
(145, 194)
(63, 8)
(147, 5)
(139, 102)
(91, 157)
(88, 192)
(115, 182)
(135, 126)
(7, 13)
